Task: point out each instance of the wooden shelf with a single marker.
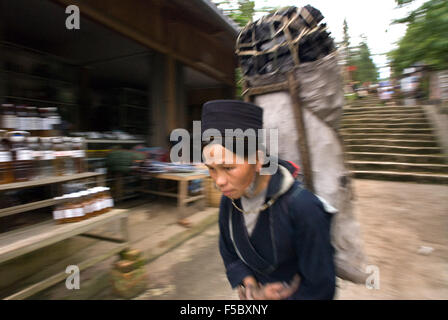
(52, 275)
(32, 76)
(134, 106)
(28, 207)
(39, 100)
(115, 141)
(51, 180)
(16, 243)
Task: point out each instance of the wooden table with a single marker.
(182, 194)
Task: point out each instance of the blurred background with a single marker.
(86, 115)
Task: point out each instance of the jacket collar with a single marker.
(280, 182)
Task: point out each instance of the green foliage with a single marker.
(426, 38)
(241, 12)
(366, 70)
(346, 40)
(361, 58)
(403, 2)
(349, 52)
(122, 160)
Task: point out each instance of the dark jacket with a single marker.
(290, 237)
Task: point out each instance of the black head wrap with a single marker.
(231, 114)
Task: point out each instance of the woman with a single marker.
(274, 234)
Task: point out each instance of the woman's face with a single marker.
(231, 173)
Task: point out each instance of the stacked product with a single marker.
(24, 157)
(37, 121)
(151, 166)
(83, 205)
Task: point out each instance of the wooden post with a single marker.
(156, 79)
(181, 95)
(247, 97)
(182, 196)
(294, 91)
(170, 95)
(2, 58)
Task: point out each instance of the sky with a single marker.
(369, 17)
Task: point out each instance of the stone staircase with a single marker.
(392, 143)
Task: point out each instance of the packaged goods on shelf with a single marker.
(38, 121)
(25, 158)
(78, 206)
(151, 166)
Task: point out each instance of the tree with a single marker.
(349, 53)
(346, 39)
(241, 11)
(426, 37)
(366, 70)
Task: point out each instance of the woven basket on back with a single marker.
(281, 40)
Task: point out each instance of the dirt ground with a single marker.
(396, 219)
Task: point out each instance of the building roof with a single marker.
(225, 21)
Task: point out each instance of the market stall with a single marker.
(68, 205)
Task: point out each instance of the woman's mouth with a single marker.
(227, 193)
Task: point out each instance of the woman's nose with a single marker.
(221, 180)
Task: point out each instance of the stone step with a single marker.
(398, 157)
(398, 166)
(368, 105)
(404, 125)
(382, 115)
(397, 109)
(388, 119)
(367, 102)
(387, 130)
(393, 149)
(402, 176)
(392, 136)
(391, 142)
(373, 113)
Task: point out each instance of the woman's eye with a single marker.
(228, 168)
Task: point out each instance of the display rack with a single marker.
(118, 182)
(28, 239)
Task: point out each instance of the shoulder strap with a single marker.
(297, 189)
